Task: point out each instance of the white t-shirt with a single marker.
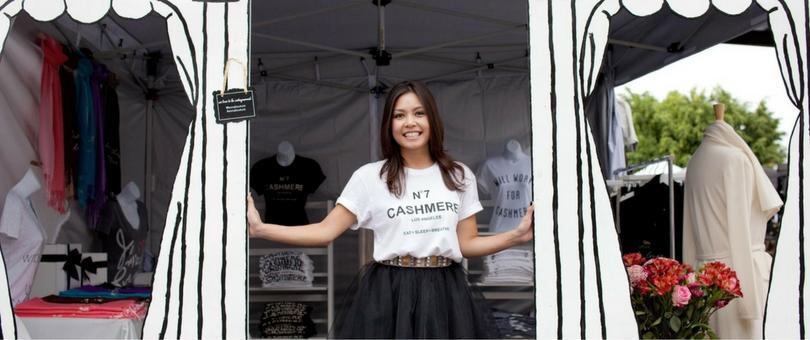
(21, 237)
(422, 222)
(510, 185)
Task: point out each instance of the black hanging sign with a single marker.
(234, 104)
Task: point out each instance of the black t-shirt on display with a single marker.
(285, 188)
(124, 244)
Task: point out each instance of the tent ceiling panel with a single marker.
(289, 32)
(410, 18)
(454, 29)
(679, 35)
(428, 39)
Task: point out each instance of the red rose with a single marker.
(633, 259)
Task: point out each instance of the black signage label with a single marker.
(234, 105)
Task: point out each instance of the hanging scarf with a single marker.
(85, 188)
(51, 140)
(99, 197)
(112, 144)
(70, 120)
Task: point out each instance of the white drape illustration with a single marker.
(578, 257)
(200, 280)
(199, 285)
(786, 310)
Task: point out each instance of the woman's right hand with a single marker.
(254, 220)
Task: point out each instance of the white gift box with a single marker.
(51, 276)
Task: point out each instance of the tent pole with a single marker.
(308, 44)
(502, 48)
(148, 183)
(373, 120)
(321, 60)
(521, 27)
(318, 82)
(380, 28)
(410, 4)
(478, 68)
(637, 45)
(464, 62)
(671, 210)
(474, 69)
(350, 4)
(353, 3)
(365, 248)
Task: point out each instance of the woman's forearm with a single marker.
(315, 234)
(305, 235)
(473, 245)
(486, 245)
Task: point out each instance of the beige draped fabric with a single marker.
(728, 200)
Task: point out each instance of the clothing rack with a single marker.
(321, 295)
(637, 166)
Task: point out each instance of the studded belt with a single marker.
(420, 262)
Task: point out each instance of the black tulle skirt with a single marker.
(387, 302)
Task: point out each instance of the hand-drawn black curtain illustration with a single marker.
(579, 266)
(199, 284)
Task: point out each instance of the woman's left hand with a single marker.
(525, 230)
(254, 220)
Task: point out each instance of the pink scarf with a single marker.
(51, 140)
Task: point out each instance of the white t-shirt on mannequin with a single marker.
(127, 199)
(508, 180)
(422, 222)
(21, 237)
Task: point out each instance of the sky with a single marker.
(749, 73)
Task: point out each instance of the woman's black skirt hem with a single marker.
(388, 302)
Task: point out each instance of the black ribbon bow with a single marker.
(90, 266)
(73, 260)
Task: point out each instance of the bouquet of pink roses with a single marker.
(672, 301)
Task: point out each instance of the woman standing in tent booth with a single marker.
(421, 206)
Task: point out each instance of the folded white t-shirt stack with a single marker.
(286, 269)
(508, 266)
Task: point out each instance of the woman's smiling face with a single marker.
(410, 125)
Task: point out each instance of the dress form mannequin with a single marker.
(719, 111)
(127, 199)
(21, 236)
(728, 200)
(286, 153)
(512, 151)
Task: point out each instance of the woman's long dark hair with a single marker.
(393, 170)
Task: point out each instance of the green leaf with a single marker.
(675, 323)
(648, 335)
(656, 322)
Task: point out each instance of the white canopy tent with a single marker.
(437, 44)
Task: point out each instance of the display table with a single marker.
(82, 328)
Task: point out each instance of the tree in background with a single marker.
(675, 125)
